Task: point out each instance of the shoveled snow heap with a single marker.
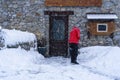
(13, 37)
(102, 59)
(17, 59)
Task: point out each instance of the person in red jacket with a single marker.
(73, 43)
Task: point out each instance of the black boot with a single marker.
(75, 62)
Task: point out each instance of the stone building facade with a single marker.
(29, 15)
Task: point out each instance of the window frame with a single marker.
(102, 24)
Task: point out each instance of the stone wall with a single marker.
(29, 15)
(24, 15)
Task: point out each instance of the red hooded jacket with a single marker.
(74, 35)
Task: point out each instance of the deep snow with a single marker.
(13, 36)
(95, 63)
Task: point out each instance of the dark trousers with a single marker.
(73, 51)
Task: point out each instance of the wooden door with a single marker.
(58, 36)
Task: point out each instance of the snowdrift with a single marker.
(18, 59)
(15, 38)
(102, 59)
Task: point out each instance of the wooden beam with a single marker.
(58, 12)
(85, 3)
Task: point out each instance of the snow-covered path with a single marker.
(18, 64)
(56, 68)
(65, 62)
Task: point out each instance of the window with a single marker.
(102, 27)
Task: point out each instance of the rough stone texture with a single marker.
(2, 40)
(26, 45)
(29, 15)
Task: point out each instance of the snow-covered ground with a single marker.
(95, 63)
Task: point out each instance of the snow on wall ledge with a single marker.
(15, 38)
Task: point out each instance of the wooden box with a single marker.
(94, 25)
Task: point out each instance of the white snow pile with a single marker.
(18, 59)
(101, 59)
(13, 37)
